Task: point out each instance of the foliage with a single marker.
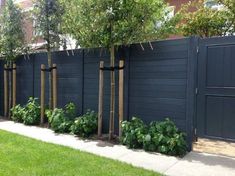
(229, 6)
(11, 32)
(32, 112)
(61, 119)
(70, 111)
(17, 113)
(197, 19)
(133, 133)
(161, 137)
(112, 22)
(165, 138)
(86, 124)
(47, 15)
(58, 121)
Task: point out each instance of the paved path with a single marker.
(193, 164)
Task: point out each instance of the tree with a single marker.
(195, 18)
(11, 32)
(229, 6)
(12, 42)
(110, 23)
(47, 15)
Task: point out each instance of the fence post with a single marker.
(54, 77)
(101, 94)
(121, 95)
(14, 86)
(5, 91)
(43, 67)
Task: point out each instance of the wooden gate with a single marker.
(216, 88)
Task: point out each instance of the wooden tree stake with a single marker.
(101, 94)
(43, 67)
(54, 77)
(121, 96)
(5, 91)
(14, 86)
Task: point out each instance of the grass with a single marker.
(22, 156)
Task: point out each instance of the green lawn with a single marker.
(21, 156)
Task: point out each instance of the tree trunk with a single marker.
(50, 78)
(112, 94)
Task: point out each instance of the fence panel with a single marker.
(159, 82)
(24, 79)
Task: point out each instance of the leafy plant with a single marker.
(70, 111)
(61, 119)
(32, 112)
(161, 137)
(17, 113)
(57, 121)
(165, 138)
(85, 125)
(205, 21)
(133, 133)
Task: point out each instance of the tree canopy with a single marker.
(230, 9)
(11, 32)
(195, 18)
(47, 15)
(102, 23)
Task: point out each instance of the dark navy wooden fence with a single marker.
(159, 83)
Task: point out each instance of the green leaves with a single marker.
(161, 137)
(166, 138)
(206, 21)
(102, 23)
(17, 113)
(85, 125)
(133, 133)
(31, 112)
(47, 15)
(11, 32)
(61, 119)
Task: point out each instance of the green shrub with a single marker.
(32, 112)
(85, 125)
(165, 138)
(61, 119)
(70, 111)
(58, 122)
(162, 137)
(17, 113)
(133, 133)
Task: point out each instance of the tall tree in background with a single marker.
(47, 15)
(12, 42)
(229, 6)
(110, 23)
(195, 18)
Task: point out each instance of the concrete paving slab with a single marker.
(201, 164)
(105, 149)
(152, 161)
